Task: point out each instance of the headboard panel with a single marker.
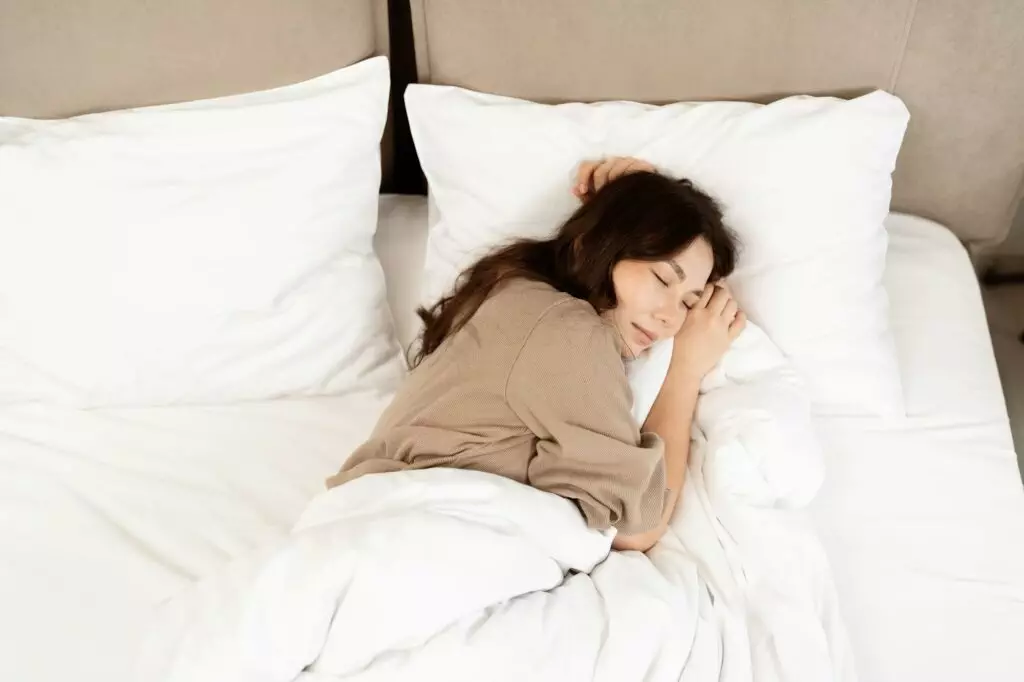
(64, 57)
(958, 64)
(962, 76)
(658, 51)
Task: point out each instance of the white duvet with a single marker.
(459, 575)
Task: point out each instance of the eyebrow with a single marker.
(681, 274)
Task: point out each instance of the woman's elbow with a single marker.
(640, 542)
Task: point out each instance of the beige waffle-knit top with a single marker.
(532, 388)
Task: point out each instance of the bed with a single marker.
(104, 513)
(138, 502)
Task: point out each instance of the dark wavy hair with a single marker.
(639, 216)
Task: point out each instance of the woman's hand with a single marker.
(711, 325)
(593, 175)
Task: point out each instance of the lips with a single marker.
(645, 336)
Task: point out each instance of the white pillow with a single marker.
(210, 251)
(804, 182)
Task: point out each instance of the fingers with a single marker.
(583, 176)
(705, 296)
(622, 166)
(731, 309)
(719, 300)
(593, 175)
(602, 172)
(628, 165)
(643, 166)
(738, 324)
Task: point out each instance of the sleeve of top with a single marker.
(569, 387)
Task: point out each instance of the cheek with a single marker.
(627, 289)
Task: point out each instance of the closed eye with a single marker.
(660, 278)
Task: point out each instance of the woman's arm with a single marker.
(710, 326)
(671, 417)
(569, 388)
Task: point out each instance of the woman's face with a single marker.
(653, 297)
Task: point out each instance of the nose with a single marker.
(669, 316)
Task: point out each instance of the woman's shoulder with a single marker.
(531, 294)
(530, 300)
(549, 315)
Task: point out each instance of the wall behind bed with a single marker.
(958, 64)
(64, 57)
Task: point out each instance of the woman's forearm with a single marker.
(670, 417)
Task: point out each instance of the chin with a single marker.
(634, 352)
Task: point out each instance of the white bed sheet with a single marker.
(105, 513)
(923, 517)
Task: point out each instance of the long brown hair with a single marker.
(639, 216)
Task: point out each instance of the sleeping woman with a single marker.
(521, 369)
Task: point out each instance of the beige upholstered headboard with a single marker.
(65, 57)
(958, 64)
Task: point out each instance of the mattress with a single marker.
(923, 516)
(105, 513)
